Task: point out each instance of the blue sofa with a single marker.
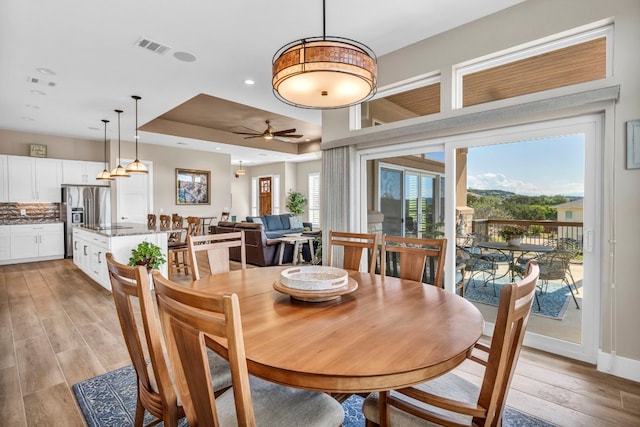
(275, 226)
(262, 238)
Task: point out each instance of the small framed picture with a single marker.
(193, 187)
(37, 150)
(633, 144)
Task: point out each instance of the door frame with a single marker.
(592, 125)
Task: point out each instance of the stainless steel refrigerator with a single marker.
(86, 205)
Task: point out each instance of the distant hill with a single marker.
(493, 193)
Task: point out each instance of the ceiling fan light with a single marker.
(269, 137)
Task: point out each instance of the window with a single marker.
(570, 60)
(416, 97)
(568, 215)
(314, 199)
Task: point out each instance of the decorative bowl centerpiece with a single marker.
(315, 283)
(314, 278)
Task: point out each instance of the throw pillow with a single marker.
(296, 222)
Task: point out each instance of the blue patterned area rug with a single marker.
(554, 301)
(110, 400)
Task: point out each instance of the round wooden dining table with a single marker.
(388, 333)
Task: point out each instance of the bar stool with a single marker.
(177, 247)
(151, 220)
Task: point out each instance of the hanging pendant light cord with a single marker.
(119, 158)
(324, 21)
(136, 98)
(106, 166)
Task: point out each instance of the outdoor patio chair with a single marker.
(476, 264)
(451, 399)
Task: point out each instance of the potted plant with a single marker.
(513, 234)
(296, 202)
(147, 254)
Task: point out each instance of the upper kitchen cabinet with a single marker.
(4, 180)
(80, 172)
(34, 180)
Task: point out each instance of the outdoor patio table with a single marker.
(388, 333)
(508, 250)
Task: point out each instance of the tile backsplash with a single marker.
(10, 213)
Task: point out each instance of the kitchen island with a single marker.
(90, 246)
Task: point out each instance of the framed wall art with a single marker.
(193, 187)
(633, 144)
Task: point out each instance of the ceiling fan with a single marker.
(270, 133)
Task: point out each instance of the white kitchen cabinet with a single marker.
(81, 172)
(4, 180)
(35, 242)
(33, 179)
(90, 249)
(5, 242)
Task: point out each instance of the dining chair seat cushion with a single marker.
(294, 407)
(220, 373)
(449, 385)
(177, 245)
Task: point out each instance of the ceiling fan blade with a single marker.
(253, 136)
(281, 132)
(247, 133)
(288, 135)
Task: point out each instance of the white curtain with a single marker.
(336, 192)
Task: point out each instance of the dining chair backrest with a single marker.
(224, 216)
(216, 247)
(353, 245)
(156, 392)
(177, 223)
(165, 221)
(193, 226)
(186, 316)
(413, 255)
(151, 220)
(514, 308)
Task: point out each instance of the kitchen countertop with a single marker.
(125, 229)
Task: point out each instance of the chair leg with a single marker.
(571, 290)
(139, 420)
(538, 300)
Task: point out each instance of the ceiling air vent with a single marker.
(156, 47)
(41, 82)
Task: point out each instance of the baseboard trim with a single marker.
(619, 366)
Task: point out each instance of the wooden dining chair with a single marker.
(452, 400)
(188, 315)
(177, 247)
(216, 247)
(156, 391)
(165, 221)
(414, 253)
(151, 220)
(194, 226)
(224, 216)
(353, 245)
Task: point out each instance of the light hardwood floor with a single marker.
(57, 327)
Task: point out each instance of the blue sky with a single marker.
(532, 168)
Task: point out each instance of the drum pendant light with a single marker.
(105, 175)
(324, 72)
(119, 171)
(137, 166)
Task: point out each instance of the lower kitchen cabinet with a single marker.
(36, 242)
(5, 242)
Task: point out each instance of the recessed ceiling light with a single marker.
(29, 119)
(93, 128)
(184, 56)
(218, 148)
(308, 139)
(46, 71)
(249, 82)
(262, 154)
(37, 92)
(35, 107)
(181, 143)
